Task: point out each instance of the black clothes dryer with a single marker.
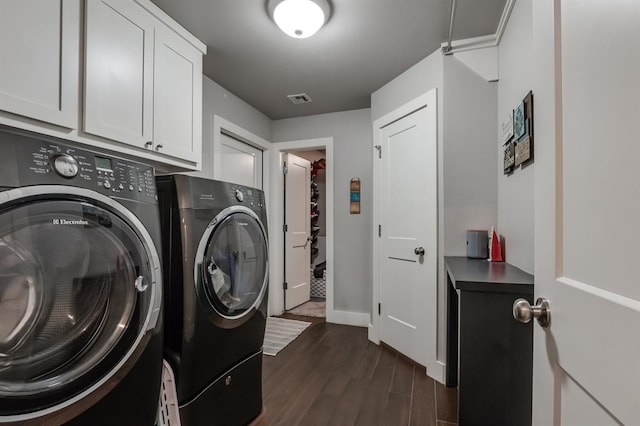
(216, 279)
(80, 286)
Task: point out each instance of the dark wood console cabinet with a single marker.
(489, 354)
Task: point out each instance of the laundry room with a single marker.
(293, 212)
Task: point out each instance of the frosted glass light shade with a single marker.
(299, 18)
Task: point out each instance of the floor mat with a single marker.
(310, 309)
(280, 332)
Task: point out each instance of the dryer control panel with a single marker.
(43, 162)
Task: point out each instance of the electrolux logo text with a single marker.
(70, 222)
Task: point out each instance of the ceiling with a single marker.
(365, 44)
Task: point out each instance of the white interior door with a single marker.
(408, 213)
(587, 363)
(298, 231)
(240, 163)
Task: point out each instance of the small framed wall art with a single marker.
(509, 158)
(517, 136)
(354, 196)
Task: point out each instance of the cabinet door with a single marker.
(39, 56)
(119, 71)
(177, 96)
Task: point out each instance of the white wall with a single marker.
(419, 79)
(467, 187)
(516, 192)
(470, 149)
(351, 132)
(216, 100)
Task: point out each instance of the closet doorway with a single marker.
(276, 224)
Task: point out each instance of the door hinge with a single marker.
(285, 228)
(379, 148)
(379, 308)
(285, 286)
(379, 231)
(285, 169)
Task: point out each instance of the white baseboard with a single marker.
(373, 336)
(357, 319)
(438, 372)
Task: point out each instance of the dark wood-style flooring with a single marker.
(332, 375)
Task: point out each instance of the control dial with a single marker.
(239, 195)
(65, 165)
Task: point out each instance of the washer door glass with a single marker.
(73, 277)
(236, 265)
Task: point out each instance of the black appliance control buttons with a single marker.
(65, 165)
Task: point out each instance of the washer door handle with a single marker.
(140, 284)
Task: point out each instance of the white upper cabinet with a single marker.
(39, 55)
(177, 96)
(142, 92)
(118, 94)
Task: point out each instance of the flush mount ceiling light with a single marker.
(299, 18)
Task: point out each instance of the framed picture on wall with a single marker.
(528, 116)
(509, 157)
(518, 121)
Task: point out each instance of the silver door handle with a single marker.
(148, 144)
(523, 311)
(419, 251)
(159, 147)
(307, 242)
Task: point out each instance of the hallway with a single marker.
(332, 375)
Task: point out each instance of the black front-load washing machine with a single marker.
(80, 286)
(216, 279)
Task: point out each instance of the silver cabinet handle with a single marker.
(159, 147)
(523, 311)
(419, 251)
(148, 144)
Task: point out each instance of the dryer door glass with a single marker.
(236, 265)
(73, 279)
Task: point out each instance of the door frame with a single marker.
(276, 290)
(435, 367)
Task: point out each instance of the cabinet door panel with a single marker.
(119, 60)
(177, 96)
(39, 59)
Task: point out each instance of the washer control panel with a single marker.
(65, 165)
(49, 163)
(248, 196)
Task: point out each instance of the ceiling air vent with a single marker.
(300, 98)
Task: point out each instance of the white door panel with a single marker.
(119, 71)
(587, 207)
(177, 96)
(297, 219)
(408, 214)
(39, 59)
(240, 163)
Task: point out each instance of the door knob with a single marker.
(523, 311)
(419, 251)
